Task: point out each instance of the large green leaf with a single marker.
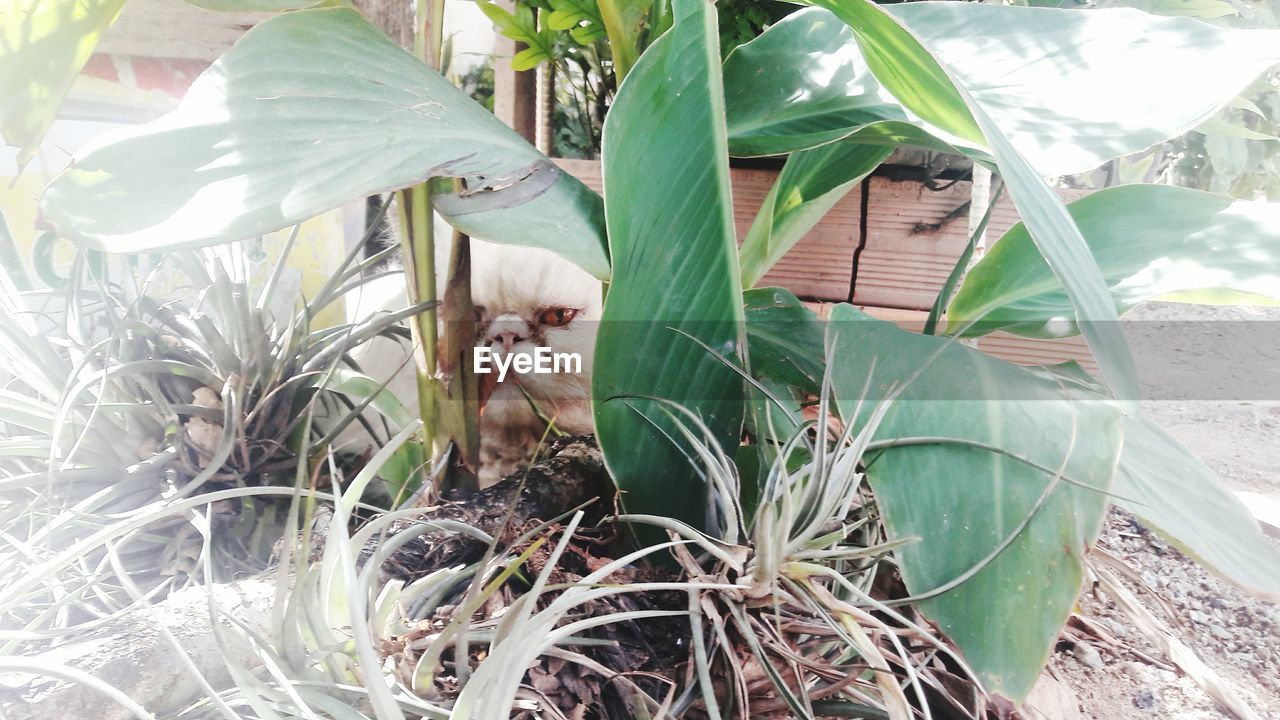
(982, 448)
(676, 271)
(1166, 486)
(309, 110)
(908, 70)
(810, 184)
(801, 84)
(1149, 240)
(43, 46)
(1070, 89)
(1175, 494)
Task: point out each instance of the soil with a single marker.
(1238, 436)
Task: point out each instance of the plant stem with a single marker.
(418, 243)
(418, 246)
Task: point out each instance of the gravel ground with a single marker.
(1238, 436)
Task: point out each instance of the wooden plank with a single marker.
(914, 237)
(1034, 351)
(819, 266)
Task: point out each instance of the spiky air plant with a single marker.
(140, 434)
(794, 612)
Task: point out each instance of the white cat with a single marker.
(525, 298)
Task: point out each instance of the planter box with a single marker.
(914, 237)
(892, 269)
(820, 266)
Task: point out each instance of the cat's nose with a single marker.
(508, 338)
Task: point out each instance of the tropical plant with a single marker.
(990, 480)
(592, 44)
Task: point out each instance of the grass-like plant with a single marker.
(127, 418)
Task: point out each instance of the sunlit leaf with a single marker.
(908, 70)
(1149, 240)
(43, 46)
(309, 110)
(1071, 89)
(1170, 490)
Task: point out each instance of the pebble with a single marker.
(1243, 659)
(1145, 699)
(1087, 655)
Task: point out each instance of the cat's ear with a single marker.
(479, 312)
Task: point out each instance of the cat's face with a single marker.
(528, 298)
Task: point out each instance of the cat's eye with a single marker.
(557, 316)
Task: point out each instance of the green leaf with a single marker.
(784, 338)
(1203, 9)
(1225, 128)
(1175, 494)
(569, 13)
(671, 232)
(1149, 240)
(523, 28)
(528, 59)
(801, 84)
(309, 110)
(505, 21)
(902, 64)
(907, 69)
(43, 46)
(810, 184)
(966, 454)
(588, 35)
(1166, 486)
(1071, 89)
